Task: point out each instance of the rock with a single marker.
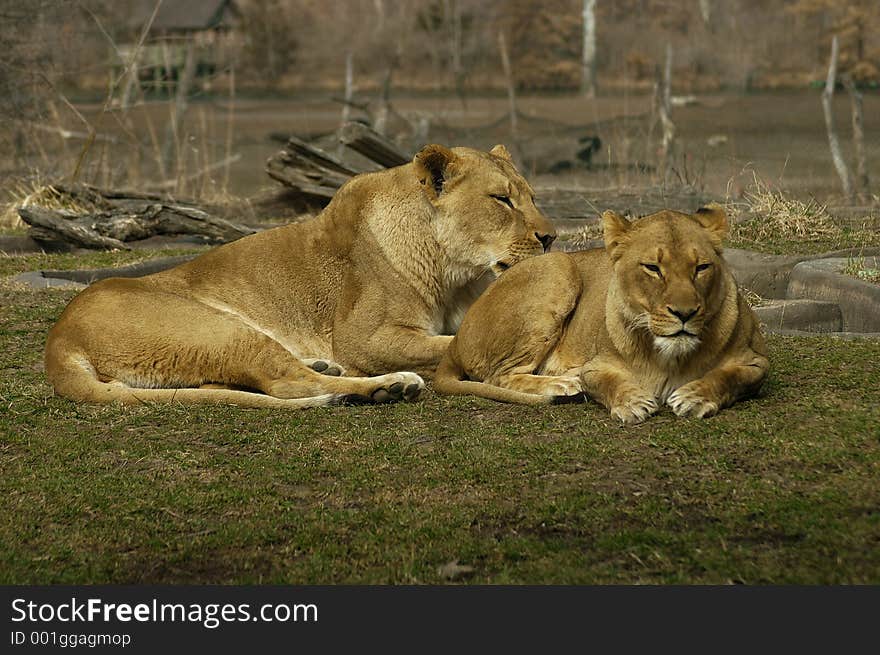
(859, 300)
(801, 315)
(769, 275)
(766, 275)
(80, 278)
(37, 280)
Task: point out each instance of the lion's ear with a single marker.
(501, 151)
(432, 165)
(616, 229)
(714, 219)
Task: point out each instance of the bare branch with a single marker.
(827, 98)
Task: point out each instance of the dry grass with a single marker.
(770, 220)
(766, 214)
(38, 193)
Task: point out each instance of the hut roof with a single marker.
(192, 15)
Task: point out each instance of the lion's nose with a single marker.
(684, 315)
(545, 239)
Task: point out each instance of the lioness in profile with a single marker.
(374, 285)
(654, 317)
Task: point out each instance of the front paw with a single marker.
(692, 400)
(635, 407)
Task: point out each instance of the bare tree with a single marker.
(858, 127)
(827, 98)
(706, 11)
(349, 94)
(181, 102)
(511, 84)
(663, 99)
(588, 56)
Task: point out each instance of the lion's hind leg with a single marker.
(164, 347)
(511, 331)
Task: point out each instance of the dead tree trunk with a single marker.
(372, 145)
(384, 109)
(663, 98)
(588, 53)
(827, 97)
(308, 170)
(181, 100)
(457, 69)
(706, 12)
(858, 126)
(511, 84)
(349, 93)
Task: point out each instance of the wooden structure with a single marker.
(208, 28)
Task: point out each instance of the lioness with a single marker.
(654, 317)
(376, 283)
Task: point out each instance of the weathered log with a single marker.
(372, 145)
(308, 169)
(51, 225)
(111, 229)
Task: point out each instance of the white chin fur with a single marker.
(675, 347)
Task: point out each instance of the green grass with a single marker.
(12, 265)
(781, 489)
(748, 237)
(857, 267)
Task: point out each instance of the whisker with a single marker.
(639, 321)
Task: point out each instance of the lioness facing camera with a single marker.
(654, 317)
(373, 286)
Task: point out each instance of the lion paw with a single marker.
(325, 367)
(636, 408)
(563, 386)
(689, 400)
(391, 388)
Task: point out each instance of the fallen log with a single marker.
(51, 225)
(110, 220)
(372, 145)
(308, 169)
(314, 172)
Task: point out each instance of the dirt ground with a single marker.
(723, 140)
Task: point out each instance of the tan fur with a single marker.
(603, 322)
(375, 284)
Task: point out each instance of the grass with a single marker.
(857, 267)
(769, 220)
(12, 265)
(780, 489)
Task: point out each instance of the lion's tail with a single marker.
(449, 380)
(73, 377)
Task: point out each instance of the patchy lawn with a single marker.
(781, 489)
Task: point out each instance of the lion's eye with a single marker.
(652, 267)
(703, 267)
(504, 199)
